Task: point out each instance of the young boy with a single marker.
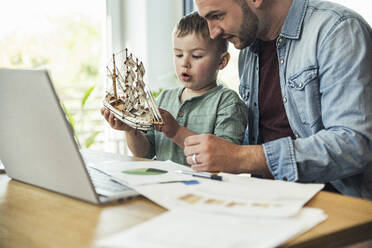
(199, 107)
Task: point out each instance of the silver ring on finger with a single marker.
(193, 158)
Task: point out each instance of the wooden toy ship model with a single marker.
(127, 96)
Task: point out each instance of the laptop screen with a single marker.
(36, 140)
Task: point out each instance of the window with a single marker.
(145, 28)
(188, 6)
(65, 37)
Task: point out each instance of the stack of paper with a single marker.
(256, 197)
(192, 229)
(236, 212)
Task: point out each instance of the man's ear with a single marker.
(224, 59)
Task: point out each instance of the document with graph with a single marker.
(254, 197)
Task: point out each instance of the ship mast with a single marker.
(114, 76)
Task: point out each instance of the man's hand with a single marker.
(214, 154)
(113, 121)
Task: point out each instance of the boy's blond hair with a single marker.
(194, 23)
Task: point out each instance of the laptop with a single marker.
(37, 145)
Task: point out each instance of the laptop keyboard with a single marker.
(103, 181)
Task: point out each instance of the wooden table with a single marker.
(34, 217)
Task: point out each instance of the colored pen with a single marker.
(200, 174)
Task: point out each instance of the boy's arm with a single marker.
(137, 143)
(180, 136)
(173, 130)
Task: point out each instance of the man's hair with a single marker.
(194, 23)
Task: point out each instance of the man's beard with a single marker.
(248, 29)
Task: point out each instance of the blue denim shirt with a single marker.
(325, 63)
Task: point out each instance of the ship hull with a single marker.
(130, 121)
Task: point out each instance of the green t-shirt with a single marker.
(219, 111)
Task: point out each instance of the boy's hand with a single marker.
(170, 126)
(113, 121)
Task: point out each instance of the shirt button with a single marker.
(300, 85)
(180, 114)
(284, 99)
(297, 135)
(282, 61)
(280, 40)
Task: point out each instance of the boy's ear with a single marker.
(224, 59)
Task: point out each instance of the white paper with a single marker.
(118, 166)
(236, 195)
(191, 229)
(117, 170)
(255, 197)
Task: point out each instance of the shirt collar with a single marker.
(293, 23)
(292, 26)
(181, 89)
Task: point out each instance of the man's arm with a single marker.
(342, 148)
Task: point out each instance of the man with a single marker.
(304, 70)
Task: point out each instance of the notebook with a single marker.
(37, 144)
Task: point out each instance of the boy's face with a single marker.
(196, 61)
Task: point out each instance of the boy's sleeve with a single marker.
(150, 135)
(232, 118)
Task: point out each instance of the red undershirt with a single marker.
(273, 118)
